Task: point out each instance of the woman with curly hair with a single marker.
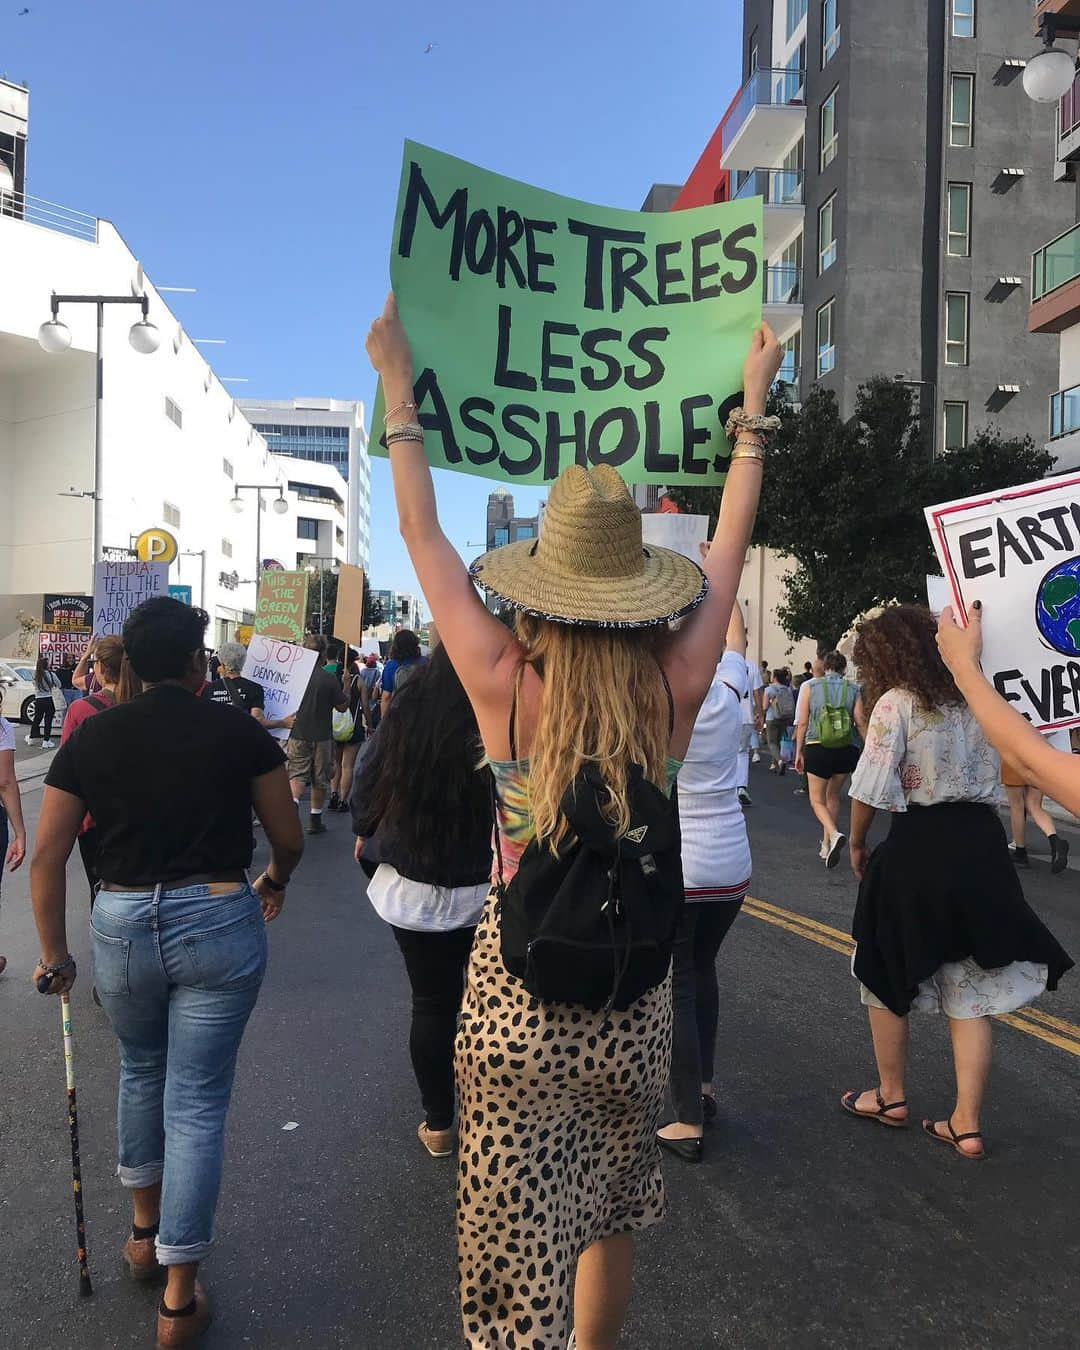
(941, 922)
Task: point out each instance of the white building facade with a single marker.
(174, 443)
(326, 432)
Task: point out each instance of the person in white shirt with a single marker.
(751, 724)
(941, 924)
(716, 874)
(12, 829)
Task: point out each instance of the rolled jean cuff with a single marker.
(181, 1256)
(147, 1174)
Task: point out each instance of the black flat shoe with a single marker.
(689, 1150)
(709, 1108)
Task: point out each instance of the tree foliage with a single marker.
(844, 501)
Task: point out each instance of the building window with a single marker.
(961, 104)
(307, 528)
(502, 537)
(826, 235)
(227, 468)
(796, 12)
(826, 338)
(174, 412)
(339, 534)
(830, 137)
(226, 548)
(956, 415)
(830, 31)
(170, 514)
(787, 377)
(959, 223)
(956, 328)
(963, 25)
(752, 58)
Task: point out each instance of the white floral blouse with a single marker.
(925, 756)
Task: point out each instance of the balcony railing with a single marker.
(1070, 109)
(1065, 411)
(783, 284)
(779, 187)
(37, 211)
(764, 89)
(1055, 264)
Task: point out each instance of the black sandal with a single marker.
(930, 1128)
(848, 1100)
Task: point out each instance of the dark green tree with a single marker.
(844, 501)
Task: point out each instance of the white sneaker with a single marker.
(755, 758)
(823, 851)
(29, 740)
(836, 847)
(48, 745)
(744, 797)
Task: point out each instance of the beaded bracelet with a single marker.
(50, 971)
(741, 420)
(406, 434)
(403, 426)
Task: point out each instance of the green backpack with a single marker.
(834, 725)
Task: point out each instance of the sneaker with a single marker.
(29, 740)
(1019, 856)
(1059, 854)
(744, 797)
(48, 745)
(316, 825)
(836, 847)
(439, 1143)
(782, 769)
(823, 851)
(335, 801)
(755, 758)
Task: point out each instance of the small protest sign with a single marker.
(548, 332)
(283, 670)
(349, 609)
(281, 605)
(681, 533)
(121, 586)
(66, 627)
(1018, 551)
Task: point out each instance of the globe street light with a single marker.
(54, 337)
(280, 505)
(1049, 74)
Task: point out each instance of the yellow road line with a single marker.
(1031, 1021)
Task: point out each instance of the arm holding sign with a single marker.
(484, 652)
(1055, 772)
(693, 652)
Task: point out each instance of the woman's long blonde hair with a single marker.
(603, 702)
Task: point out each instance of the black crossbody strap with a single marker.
(498, 833)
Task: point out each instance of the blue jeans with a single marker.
(178, 973)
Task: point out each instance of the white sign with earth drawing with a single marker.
(1018, 551)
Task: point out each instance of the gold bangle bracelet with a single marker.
(746, 454)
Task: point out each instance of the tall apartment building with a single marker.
(325, 431)
(901, 164)
(1055, 272)
(502, 526)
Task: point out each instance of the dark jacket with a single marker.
(463, 837)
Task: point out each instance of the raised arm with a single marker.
(1055, 772)
(694, 651)
(483, 651)
(735, 638)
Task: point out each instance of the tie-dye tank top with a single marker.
(513, 819)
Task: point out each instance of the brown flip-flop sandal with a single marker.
(954, 1140)
(848, 1100)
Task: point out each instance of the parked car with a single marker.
(17, 685)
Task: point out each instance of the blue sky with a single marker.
(252, 150)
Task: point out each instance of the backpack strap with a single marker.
(670, 700)
(501, 889)
(101, 702)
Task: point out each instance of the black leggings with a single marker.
(43, 709)
(695, 994)
(435, 963)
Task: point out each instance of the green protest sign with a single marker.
(546, 331)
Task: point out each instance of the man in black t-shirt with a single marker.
(310, 748)
(235, 690)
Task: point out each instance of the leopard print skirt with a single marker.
(558, 1114)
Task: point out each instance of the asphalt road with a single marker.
(802, 1228)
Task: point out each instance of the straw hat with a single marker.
(588, 566)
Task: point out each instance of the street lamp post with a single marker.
(55, 337)
(280, 505)
(1049, 74)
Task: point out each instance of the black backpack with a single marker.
(594, 922)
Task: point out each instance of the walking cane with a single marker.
(85, 1287)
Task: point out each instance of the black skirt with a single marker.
(942, 887)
